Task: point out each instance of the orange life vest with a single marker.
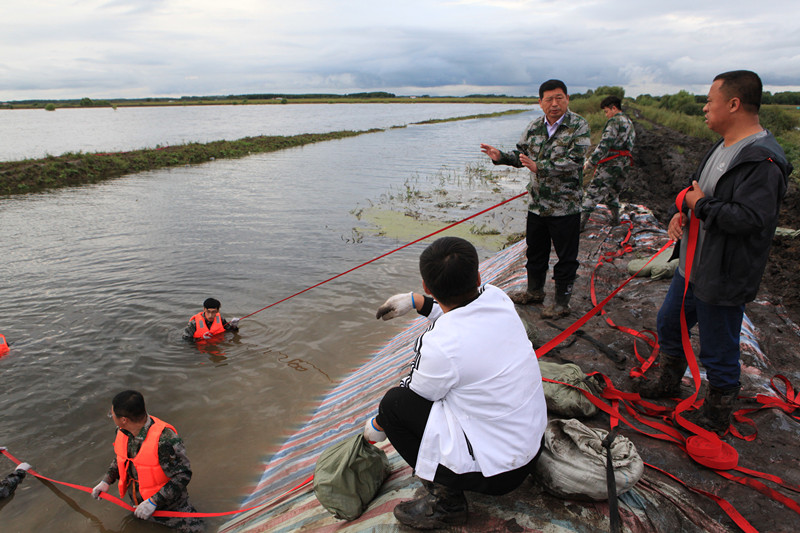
(200, 325)
(148, 470)
(3, 346)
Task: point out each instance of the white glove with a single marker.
(397, 305)
(23, 466)
(145, 509)
(372, 433)
(234, 322)
(207, 335)
(100, 487)
(3, 448)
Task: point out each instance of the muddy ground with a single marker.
(663, 161)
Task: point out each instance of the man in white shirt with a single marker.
(471, 413)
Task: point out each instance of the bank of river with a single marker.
(32, 175)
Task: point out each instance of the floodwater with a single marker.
(97, 283)
(34, 133)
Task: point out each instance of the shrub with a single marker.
(777, 120)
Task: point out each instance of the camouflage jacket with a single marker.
(618, 134)
(9, 484)
(556, 189)
(173, 461)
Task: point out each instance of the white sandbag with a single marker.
(573, 462)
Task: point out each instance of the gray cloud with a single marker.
(164, 48)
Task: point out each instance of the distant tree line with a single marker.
(692, 104)
(279, 96)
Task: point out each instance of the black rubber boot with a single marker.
(668, 383)
(440, 507)
(535, 292)
(561, 306)
(614, 216)
(584, 219)
(715, 413)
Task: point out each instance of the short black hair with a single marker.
(211, 303)
(550, 85)
(449, 268)
(744, 85)
(130, 404)
(611, 101)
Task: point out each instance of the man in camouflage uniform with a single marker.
(9, 484)
(553, 147)
(612, 158)
(129, 414)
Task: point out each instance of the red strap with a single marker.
(616, 154)
(705, 446)
(726, 506)
(125, 505)
(526, 193)
(542, 350)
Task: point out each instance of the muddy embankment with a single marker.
(664, 160)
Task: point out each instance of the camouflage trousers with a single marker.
(182, 524)
(604, 188)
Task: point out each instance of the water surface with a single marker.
(98, 282)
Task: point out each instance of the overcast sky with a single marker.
(138, 48)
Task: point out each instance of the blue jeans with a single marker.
(719, 328)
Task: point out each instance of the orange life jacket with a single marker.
(200, 325)
(148, 470)
(3, 346)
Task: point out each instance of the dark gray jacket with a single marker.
(740, 221)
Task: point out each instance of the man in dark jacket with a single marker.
(736, 195)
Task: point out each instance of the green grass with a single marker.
(688, 124)
(787, 135)
(33, 175)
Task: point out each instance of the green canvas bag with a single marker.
(347, 476)
(565, 401)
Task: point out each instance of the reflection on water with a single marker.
(98, 283)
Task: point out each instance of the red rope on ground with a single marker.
(704, 447)
(388, 253)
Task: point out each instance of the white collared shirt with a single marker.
(551, 130)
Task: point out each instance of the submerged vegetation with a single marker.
(32, 175)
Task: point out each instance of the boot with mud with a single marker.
(535, 292)
(668, 383)
(715, 413)
(584, 219)
(614, 216)
(561, 306)
(440, 507)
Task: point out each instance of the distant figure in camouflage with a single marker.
(612, 158)
(150, 464)
(553, 147)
